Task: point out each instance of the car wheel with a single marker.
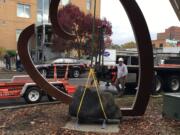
(33, 95)
(43, 72)
(158, 84)
(76, 73)
(173, 83)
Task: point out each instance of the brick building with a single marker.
(172, 33)
(169, 38)
(15, 15)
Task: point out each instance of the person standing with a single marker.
(7, 61)
(122, 73)
(18, 62)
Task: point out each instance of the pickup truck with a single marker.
(166, 77)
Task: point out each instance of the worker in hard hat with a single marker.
(122, 73)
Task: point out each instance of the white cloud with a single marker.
(158, 13)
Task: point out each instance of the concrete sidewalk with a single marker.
(8, 74)
(109, 128)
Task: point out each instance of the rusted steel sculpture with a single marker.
(32, 71)
(143, 40)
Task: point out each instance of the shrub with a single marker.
(11, 53)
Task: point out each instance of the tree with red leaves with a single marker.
(75, 21)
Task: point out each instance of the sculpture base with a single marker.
(171, 105)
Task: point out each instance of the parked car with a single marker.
(75, 68)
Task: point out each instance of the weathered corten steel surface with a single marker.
(143, 40)
(53, 12)
(32, 71)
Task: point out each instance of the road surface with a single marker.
(6, 77)
(21, 101)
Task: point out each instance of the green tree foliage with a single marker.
(73, 20)
(129, 45)
(116, 47)
(11, 53)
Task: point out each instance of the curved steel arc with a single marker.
(145, 56)
(53, 12)
(143, 40)
(32, 71)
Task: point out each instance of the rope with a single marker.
(97, 88)
(55, 72)
(91, 73)
(82, 98)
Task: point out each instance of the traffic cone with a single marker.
(55, 72)
(66, 73)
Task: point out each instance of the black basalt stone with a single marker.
(91, 108)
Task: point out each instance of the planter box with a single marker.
(171, 106)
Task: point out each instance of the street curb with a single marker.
(12, 72)
(157, 96)
(28, 105)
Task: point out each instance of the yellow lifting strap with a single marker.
(92, 74)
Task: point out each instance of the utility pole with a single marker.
(43, 34)
(93, 33)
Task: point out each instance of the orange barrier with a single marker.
(5, 94)
(3, 90)
(55, 72)
(65, 82)
(2, 84)
(66, 74)
(70, 88)
(169, 65)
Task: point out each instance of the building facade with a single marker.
(15, 15)
(172, 33)
(169, 38)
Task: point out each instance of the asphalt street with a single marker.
(21, 101)
(6, 77)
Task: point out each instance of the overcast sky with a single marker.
(158, 13)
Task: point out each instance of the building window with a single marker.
(88, 5)
(18, 32)
(65, 2)
(23, 10)
(161, 45)
(43, 11)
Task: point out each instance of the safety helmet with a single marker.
(120, 59)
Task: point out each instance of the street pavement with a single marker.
(21, 101)
(5, 76)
